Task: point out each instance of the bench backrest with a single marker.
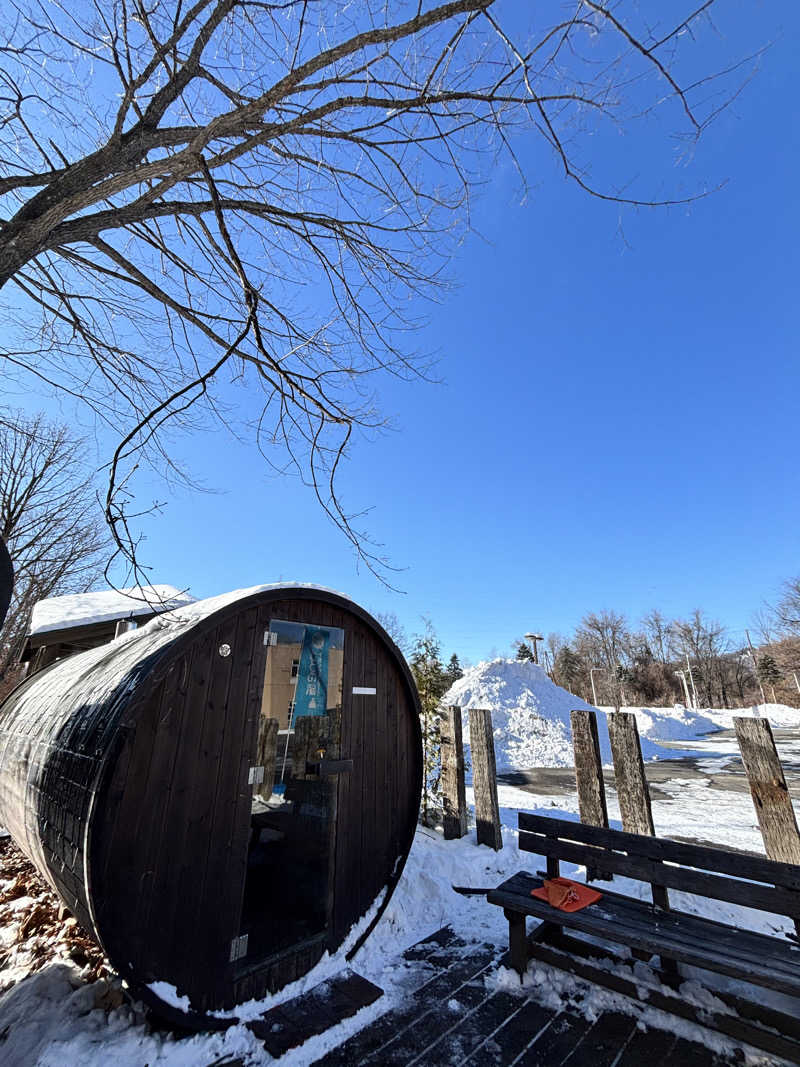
(738, 878)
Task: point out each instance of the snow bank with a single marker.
(530, 715)
(681, 724)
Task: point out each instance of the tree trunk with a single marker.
(6, 580)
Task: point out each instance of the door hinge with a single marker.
(239, 947)
(256, 776)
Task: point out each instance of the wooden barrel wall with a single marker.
(126, 776)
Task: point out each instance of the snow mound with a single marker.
(531, 717)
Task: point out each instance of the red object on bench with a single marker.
(566, 895)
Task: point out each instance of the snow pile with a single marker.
(679, 723)
(531, 717)
(530, 713)
(85, 609)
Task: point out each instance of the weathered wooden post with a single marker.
(484, 778)
(632, 791)
(768, 788)
(589, 777)
(588, 768)
(454, 794)
(633, 794)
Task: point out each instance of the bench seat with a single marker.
(691, 939)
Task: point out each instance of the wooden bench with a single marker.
(655, 929)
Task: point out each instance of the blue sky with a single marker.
(616, 423)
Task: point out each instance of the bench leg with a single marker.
(517, 942)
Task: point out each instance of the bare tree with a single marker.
(49, 518)
(786, 613)
(240, 192)
(706, 642)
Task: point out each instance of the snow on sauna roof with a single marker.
(85, 609)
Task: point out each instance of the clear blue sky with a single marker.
(617, 424)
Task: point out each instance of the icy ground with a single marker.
(55, 1017)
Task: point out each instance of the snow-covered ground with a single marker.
(54, 1017)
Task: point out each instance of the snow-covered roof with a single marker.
(85, 609)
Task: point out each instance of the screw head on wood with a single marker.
(224, 650)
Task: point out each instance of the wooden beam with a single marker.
(454, 794)
(589, 777)
(768, 788)
(632, 791)
(484, 778)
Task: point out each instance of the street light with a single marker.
(533, 638)
(591, 679)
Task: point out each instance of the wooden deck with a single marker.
(452, 1017)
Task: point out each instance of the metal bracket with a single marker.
(270, 638)
(256, 776)
(239, 947)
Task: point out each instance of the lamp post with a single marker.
(533, 638)
(682, 676)
(591, 679)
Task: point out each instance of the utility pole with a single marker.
(794, 675)
(591, 679)
(691, 679)
(755, 665)
(682, 676)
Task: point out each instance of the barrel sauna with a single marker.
(222, 795)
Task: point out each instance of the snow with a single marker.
(85, 609)
(531, 717)
(53, 1019)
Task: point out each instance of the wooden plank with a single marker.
(589, 778)
(731, 1025)
(588, 768)
(632, 791)
(760, 959)
(687, 880)
(326, 1005)
(768, 788)
(705, 857)
(484, 778)
(454, 794)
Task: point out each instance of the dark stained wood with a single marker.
(768, 788)
(729, 1024)
(169, 816)
(484, 778)
(454, 795)
(747, 894)
(631, 784)
(707, 857)
(700, 942)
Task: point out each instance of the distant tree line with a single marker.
(662, 661)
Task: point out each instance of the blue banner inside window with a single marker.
(311, 692)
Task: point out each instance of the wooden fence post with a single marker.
(588, 768)
(484, 778)
(768, 788)
(634, 799)
(454, 795)
(632, 791)
(589, 777)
